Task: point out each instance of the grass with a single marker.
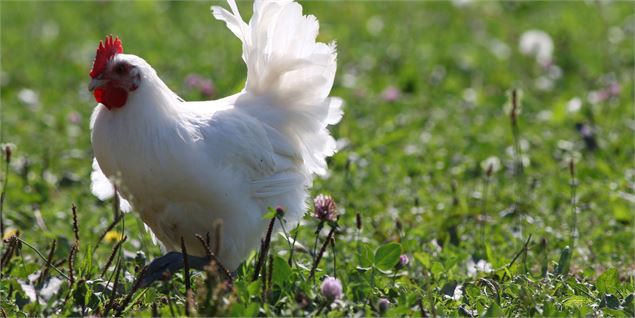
(502, 208)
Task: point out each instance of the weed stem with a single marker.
(322, 250)
(213, 257)
(264, 248)
(7, 160)
(574, 205)
(43, 258)
(186, 268)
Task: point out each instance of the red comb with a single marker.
(104, 54)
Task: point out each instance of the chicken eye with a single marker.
(120, 68)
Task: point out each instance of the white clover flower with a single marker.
(458, 292)
(28, 97)
(482, 266)
(574, 105)
(538, 44)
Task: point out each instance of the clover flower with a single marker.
(204, 85)
(383, 304)
(324, 208)
(331, 288)
(403, 261)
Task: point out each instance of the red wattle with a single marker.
(99, 94)
(111, 96)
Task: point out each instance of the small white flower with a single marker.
(470, 95)
(537, 43)
(458, 292)
(28, 97)
(482, 266)
(574, 105)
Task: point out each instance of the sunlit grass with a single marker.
(484, 204)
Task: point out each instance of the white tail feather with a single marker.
(289, 75)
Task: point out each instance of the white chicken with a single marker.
(183, 165)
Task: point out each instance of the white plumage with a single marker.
(183, 165)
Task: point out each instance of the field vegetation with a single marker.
(485, 164)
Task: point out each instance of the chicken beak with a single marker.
(96, 82)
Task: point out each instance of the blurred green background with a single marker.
(426, 86)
